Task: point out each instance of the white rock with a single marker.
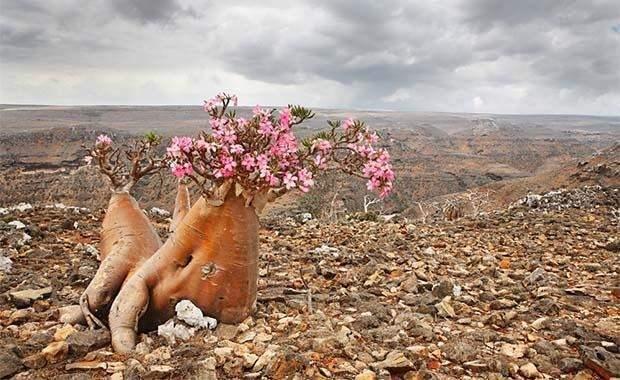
(192, 315)
(457, 290)
(22, 207)
(5, 264)
(429, 251)
(92, 250)
(444, 308)
(305, 217)
(4, 211)
(513, 350)
(25, 239)
(172, 332)
(17, 224)
(325, 249)
(159, 211)
(540, 323)
(266, 358)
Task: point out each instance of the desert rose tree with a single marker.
(127, 236)
(211, 258)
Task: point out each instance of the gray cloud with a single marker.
(151, 11)
(531, 56)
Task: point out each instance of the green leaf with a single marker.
(152, 138)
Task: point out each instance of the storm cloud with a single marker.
(530, 56)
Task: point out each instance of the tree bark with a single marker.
(210, 259)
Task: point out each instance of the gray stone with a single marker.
(569, 365)
(395, 360)
(83, 342)
(25, 298)
(10, 363)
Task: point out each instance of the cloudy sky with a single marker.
(526, 56)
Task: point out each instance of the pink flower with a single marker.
(272, 180)
(285, 119)
(346, 124)
(242, 123)
(289, 181)
(261, 151)
(226, 135)
(103, 141)
(372, 138)
(305, 180)
(204, 146)
(209, 105)
(227, 168)
(181, 170)
(378, 170)
(248, 162)
(320, 161)
(265, 127)
(364, 150)
(236, 149)
(322, 145)
(261, 161)
(258, 111)
(180, 145)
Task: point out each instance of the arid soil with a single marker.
(530, 291)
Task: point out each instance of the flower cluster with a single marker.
(103, 141)
(261, 152)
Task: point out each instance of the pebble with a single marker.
(529, 371)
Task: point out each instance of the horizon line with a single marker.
(3, 107)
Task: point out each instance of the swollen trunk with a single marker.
(210, 259)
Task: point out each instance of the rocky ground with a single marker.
(528, 292)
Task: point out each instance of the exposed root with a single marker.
(90, 318)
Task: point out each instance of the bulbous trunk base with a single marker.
(210, 259)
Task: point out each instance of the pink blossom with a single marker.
(226, 135)
(103, 141)
(236, 149)
(305, 180)
(274, 158)
(322, 145)
(289, 181)
(272, 180)
(364, 150)
(181, 170)
(209, 105)
(372, 138)
(285, 119)
(180, 145)
(320, 161)
(258, 111)
(248, 162)
(265, 127)
(378, 170)
(215, 124)
(348, 123)
(242, 123)
(204, 146)
(261, 161)
(227, 168)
